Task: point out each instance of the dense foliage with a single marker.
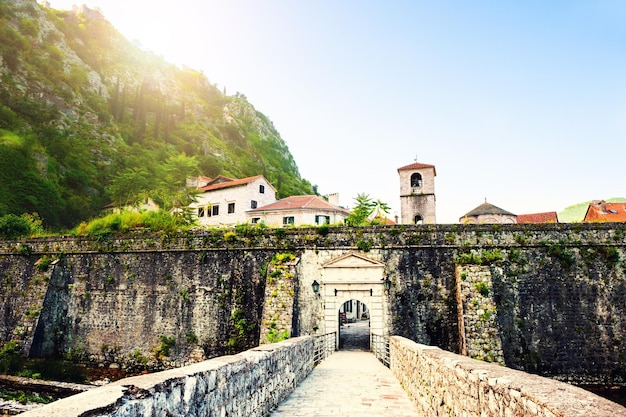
(87, 118)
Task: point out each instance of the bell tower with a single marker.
(417, 193)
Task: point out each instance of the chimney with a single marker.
(192, 182)
(333, 199)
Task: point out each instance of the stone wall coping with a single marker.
(558, 398)
(101, 398)
(436, 235)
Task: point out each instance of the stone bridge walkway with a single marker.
(348, 383)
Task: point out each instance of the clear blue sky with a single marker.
(519, 102)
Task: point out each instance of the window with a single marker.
(288, 220)
(255, 220)
(418, 219)
(416, 180)
(231, 208)
(321, 219)
(262, 189)
(215, 211)
(253, 204)
(200, 211)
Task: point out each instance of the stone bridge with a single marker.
(255, 383)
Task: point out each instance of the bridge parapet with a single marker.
(444, 383)
(250, 383)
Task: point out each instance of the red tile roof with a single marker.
(601, 211)
(547, 217)
(417, 165)
(300, 202)
(225, 182)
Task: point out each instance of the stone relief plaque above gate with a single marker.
(353, 268)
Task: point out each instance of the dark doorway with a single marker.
(354, 326)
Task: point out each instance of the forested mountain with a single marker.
(87, 118)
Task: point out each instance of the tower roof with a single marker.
(417, 165)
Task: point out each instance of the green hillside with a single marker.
(87, 118)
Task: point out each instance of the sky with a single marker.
(518, 103)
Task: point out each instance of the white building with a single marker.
(224, 201)
(299, 210)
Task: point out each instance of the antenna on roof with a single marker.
(416, 158)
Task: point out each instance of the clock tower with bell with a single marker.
(417, 193)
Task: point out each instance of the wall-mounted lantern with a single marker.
(336, 292)
(316, 287)
(387, 284)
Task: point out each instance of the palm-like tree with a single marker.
(380, 210)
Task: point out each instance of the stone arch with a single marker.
(354, 325)
(354, 277)
(416, 180)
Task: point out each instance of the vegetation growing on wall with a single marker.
(243, 328)
(482, 257)
(126, 221)
(279, 297)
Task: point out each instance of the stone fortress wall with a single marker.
(546, 299)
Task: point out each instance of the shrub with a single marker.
(483, 288)
(191, 338)
(44, 263)
(365, 244)
(563, 254)
(485, 257)
(10, 357)
(273, 336)
(281, 258)
(129, 220)
(139, 357)
(609, 254)
(163, 350)
(13, 226)
(230, 237)
(323, 230)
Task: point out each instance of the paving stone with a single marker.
(348, 383)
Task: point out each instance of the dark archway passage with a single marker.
(354, 326)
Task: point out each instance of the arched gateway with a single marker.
(354, 277)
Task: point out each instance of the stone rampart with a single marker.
(442, 383)
(546, 299)
(250, 383)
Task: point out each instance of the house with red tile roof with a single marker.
(601, 211)
(224, 201)
(298, 210)
(547, 217)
